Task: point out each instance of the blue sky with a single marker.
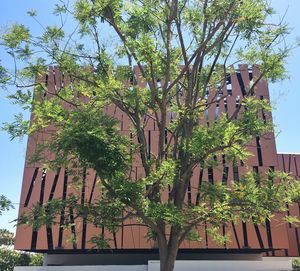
(285, 96)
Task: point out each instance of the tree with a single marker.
(5, 204)
(7, 238)
(10, 258)
(183, 51)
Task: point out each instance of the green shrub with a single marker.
(36, 259)
(10, 258)
(7, 238)
(296, 264)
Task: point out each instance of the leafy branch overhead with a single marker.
(5, 204)
(168, 62)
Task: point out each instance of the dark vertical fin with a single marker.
(206, 236)
(217, 111)
(62, 80)
(235, 235)
(93, 189)
(122, 231)
(149, 144)
(49, 238)
(136, 173)
(285, 170)
(236, 176)
(83, 239)
(225, 170)
(286, 252)
(83, 186)
(297, 238)
(245, 234)
(166, 136)
(225, 107)
(251, 81)
(260, 241)
(210, 174)
(259, 153)
(34, 240)
(131, 137)
(43, 182)
(62, 214)
(42, 191)
(46, 79)
(228, 84)
(241, 83)
(115, 240)
(74, 242)
(199, 186)
(296, 167)
(250, 75)
(225, 175)
(49, 228)
(122, 122)
(224, 233)
(54, 79)
(189, 193)
(206, 111)
(269, 234)
(31, 187)
(263, 112)
(283, 162)
(54, 184)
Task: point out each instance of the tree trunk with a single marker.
(167, 265)
(167, 258)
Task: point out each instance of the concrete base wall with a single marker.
(84, 268)
(266, 264)
(139, 258)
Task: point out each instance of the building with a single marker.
(129, 244)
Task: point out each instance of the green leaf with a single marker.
(16, 34)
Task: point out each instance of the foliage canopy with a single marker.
(5, 204)
(184, 51)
